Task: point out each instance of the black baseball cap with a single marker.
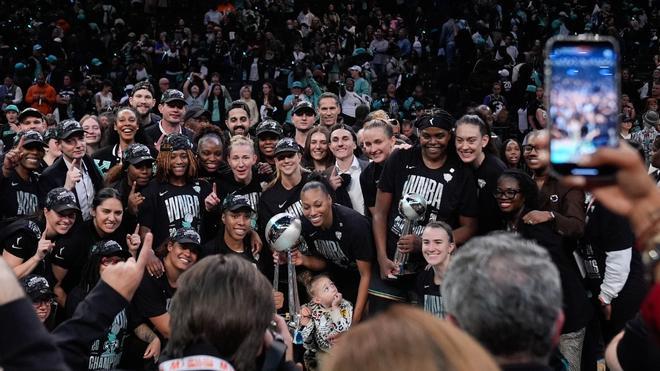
(175, 142)
(29, 112)
(269, 126)
(61, 199)
(30, 138)
(50, 133)
(441, 119)
(195, 113)
(67, 128)
(303, 106)
(187, 236)
(36, 287)
(286, 145)
(234, 202)
(171, 95)
(143, 85)
(136, 153)
(110, 248)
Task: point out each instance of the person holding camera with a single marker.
(261, 341)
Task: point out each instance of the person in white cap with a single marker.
(361, 86)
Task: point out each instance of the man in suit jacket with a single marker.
(348, 167)
(74, 170)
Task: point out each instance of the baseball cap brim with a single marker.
(72, 132)
(138, 160)
(285, 150)
(65, 207)
(174, 99)
(30, 113)
(29, 142)
(269, 130)
(42, 294)
(239, 207)
(302, 109)
(120, 253)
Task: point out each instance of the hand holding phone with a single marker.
(582, 74)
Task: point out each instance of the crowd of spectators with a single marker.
(187, 126)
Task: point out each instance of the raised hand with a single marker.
(334, 179)
(73, 176)
(12, 158)
(159, 142)
(135, 199)
(44, 247)
(212, 200)
(133, 241)
(125, 277)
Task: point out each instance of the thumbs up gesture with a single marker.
(73, 176)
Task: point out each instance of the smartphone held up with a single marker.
(582, 75)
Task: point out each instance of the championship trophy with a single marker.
(413, 207)
(283, 233)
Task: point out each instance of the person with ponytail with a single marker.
(339, 235)
(476, 149)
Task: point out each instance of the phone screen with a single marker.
(583, 102)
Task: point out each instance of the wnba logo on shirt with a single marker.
(331, 251)
(182, 206)
(430, 189)
(27, 203)
(295, 209)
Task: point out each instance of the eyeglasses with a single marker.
(285, 155)
(528, 148)
(507, 194)
(178, 105)
(111, 260)
(42, 302)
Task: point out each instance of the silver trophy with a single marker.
(283, 233)
(413, 207)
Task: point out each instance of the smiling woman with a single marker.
(152, 300)
(175, 198)
(124, 132)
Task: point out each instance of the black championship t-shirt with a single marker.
(428, 293)
(20, 239)
(153, 297)
(228, 185)
(105, 351)
(17, 196)
(490, 218)
(273, 201)
(219, 246)
(450, 191)
(167, 207)
(369, 179)
(72, 250)
(278, 199)
(348, 240)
